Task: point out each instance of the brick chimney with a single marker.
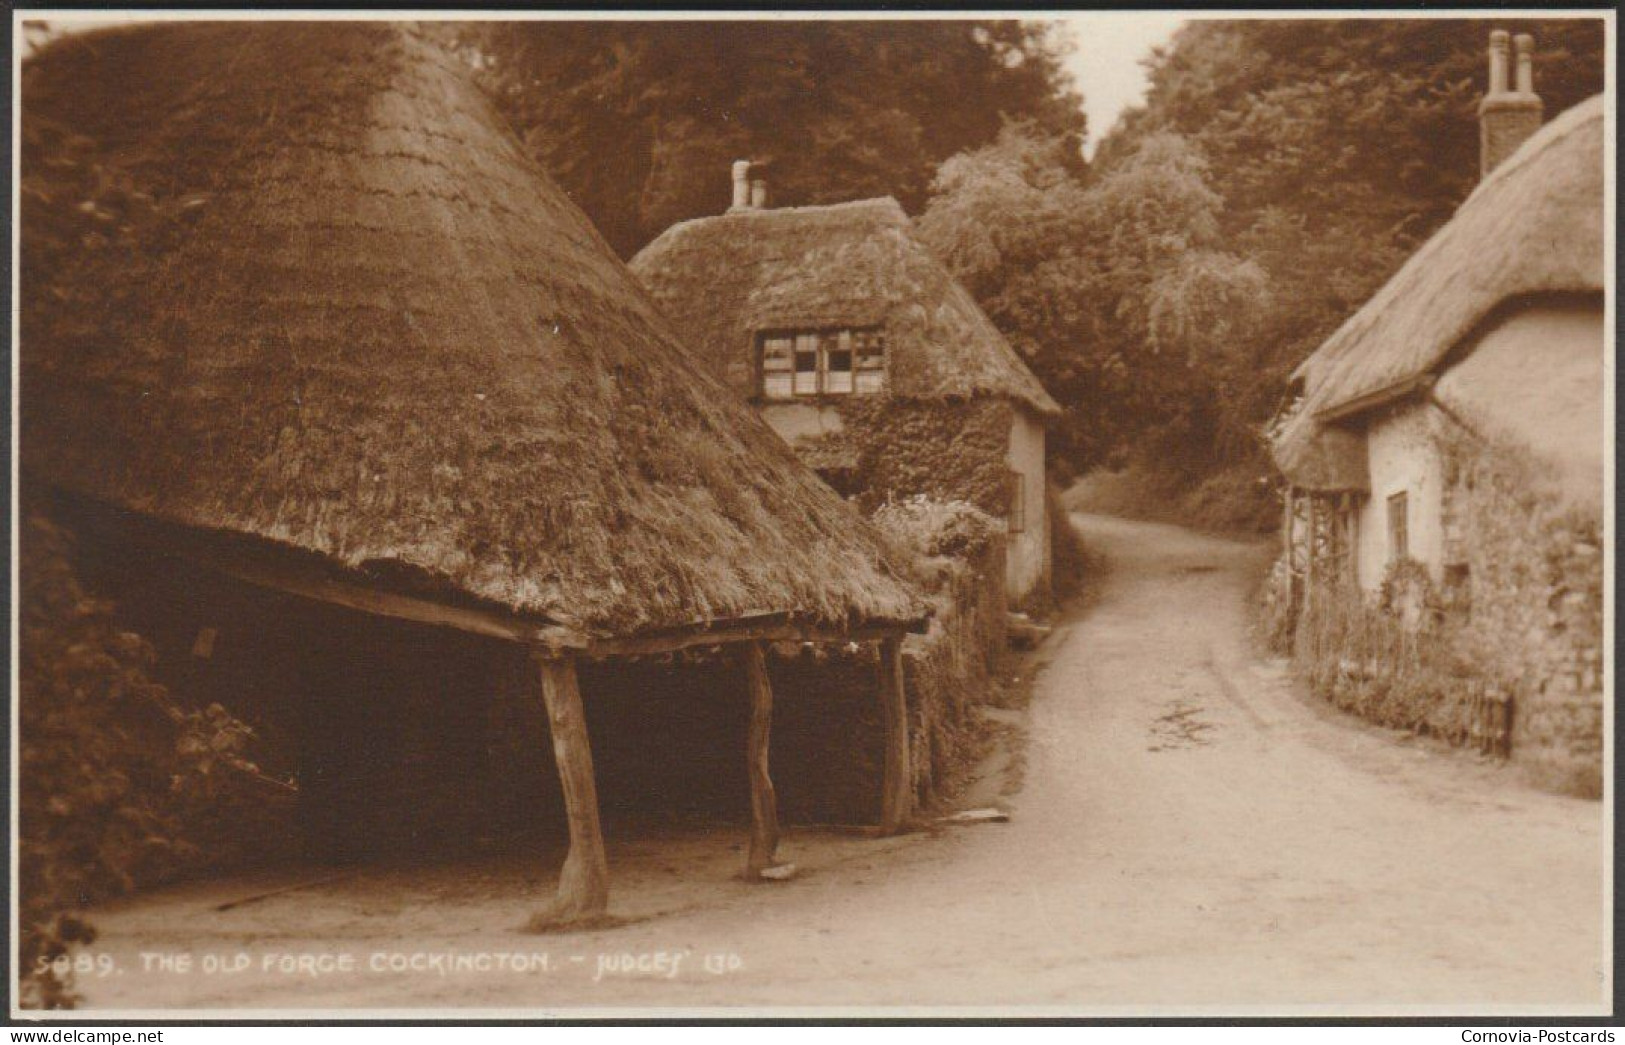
(1508, 115)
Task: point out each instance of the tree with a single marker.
(1117, 291)
(1278, 173)
(1002, 205)
(639, 121)
(1338, 147)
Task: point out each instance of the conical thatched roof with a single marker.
(725, 278)
(1534, 226)
(298, 282)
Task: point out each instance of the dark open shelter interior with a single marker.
(412, 740)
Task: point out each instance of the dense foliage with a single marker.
(950, 451)
(923, 527)
(640, 121)
(114, 772)
(1278, 174)
(1118, 289)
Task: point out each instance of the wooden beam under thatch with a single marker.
(313, 580)
(770, 628)
(1418, 385)
(311, 583)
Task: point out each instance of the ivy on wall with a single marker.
(948, 450)
(1532, 561)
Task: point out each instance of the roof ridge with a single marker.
(874, 203)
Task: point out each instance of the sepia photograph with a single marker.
(716, 515)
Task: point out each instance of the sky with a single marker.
(1106, 63)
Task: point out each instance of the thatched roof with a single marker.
(298, 282)
(725, 278)
(1534, 226)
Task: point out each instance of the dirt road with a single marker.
(1193, 835)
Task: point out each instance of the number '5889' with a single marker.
(83, 964)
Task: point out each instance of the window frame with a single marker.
(859, 344)
(1016, 513)
(787, 372)
(867, 342)
(804, 344)
(1399, 526)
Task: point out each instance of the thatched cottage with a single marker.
(1473, 378)
(366, 403)
(865, 354)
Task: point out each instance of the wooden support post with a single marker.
(897, 787)
(1311, 536)
(1345, 538)
(1291, 552)
(583, 896)
(1334, 543)
(1354, 542)
(764, 804)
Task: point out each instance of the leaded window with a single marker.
(802, 363)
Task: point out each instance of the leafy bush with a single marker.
(111, 769)
(922, 528)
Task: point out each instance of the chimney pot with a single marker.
(1498, 62)
(741, 176)
(1507, 118)
(1526, 63)
(758, 194)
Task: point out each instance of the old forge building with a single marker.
(1455, 423)
(339, 382)
(865, 354)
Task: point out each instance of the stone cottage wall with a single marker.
(1504, 650)
(1533, 606)
(1029, 553)
(1402, 458)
